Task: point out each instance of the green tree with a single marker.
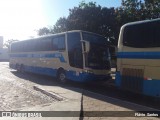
(60, 26)
(105, 21)
(135, 10)
(152, 8)
(43, 31)
(87, 16)
(129, 11)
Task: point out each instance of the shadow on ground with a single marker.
(100, 88)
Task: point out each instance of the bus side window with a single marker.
(55, 43)
(157, 34)
(14, 47)
(44, 44)
(24, 47)
(38, 45)
(17, 47)
(59, 43)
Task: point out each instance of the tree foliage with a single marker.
(60, 26)
(105, 21)
(44, 31)
(88, 17)
(135, 10)
(92, 17)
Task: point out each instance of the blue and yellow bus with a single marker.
(138, 57)
(74, 55)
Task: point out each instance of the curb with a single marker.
(55, 96)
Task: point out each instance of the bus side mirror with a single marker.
(86, 46)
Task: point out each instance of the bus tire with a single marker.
(61, 76)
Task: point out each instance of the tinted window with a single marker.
(44, 44)
(94, 38)
(30, 46)
(25, 47)
(75, 50)
(15, 47)
(142, 35)
(58, 43)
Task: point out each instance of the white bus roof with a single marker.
(51, 35)
(139, 22)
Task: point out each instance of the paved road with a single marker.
(114, 109)
(17, 93)
(31, 92)
(16, 90)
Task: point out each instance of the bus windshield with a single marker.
(98, 56)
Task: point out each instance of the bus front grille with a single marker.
(132, 79)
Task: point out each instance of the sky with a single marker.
(19, 19)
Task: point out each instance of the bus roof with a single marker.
(139, 22)
(51, 35)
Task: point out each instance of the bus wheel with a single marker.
(62, 77)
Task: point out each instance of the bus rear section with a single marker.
(138, 58)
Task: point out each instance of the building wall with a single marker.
(1, 42)
(4, 56)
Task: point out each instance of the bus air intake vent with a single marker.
(132, 79)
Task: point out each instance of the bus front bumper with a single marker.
(89, 77)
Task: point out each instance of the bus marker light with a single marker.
(149, 78)
(145, 78)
